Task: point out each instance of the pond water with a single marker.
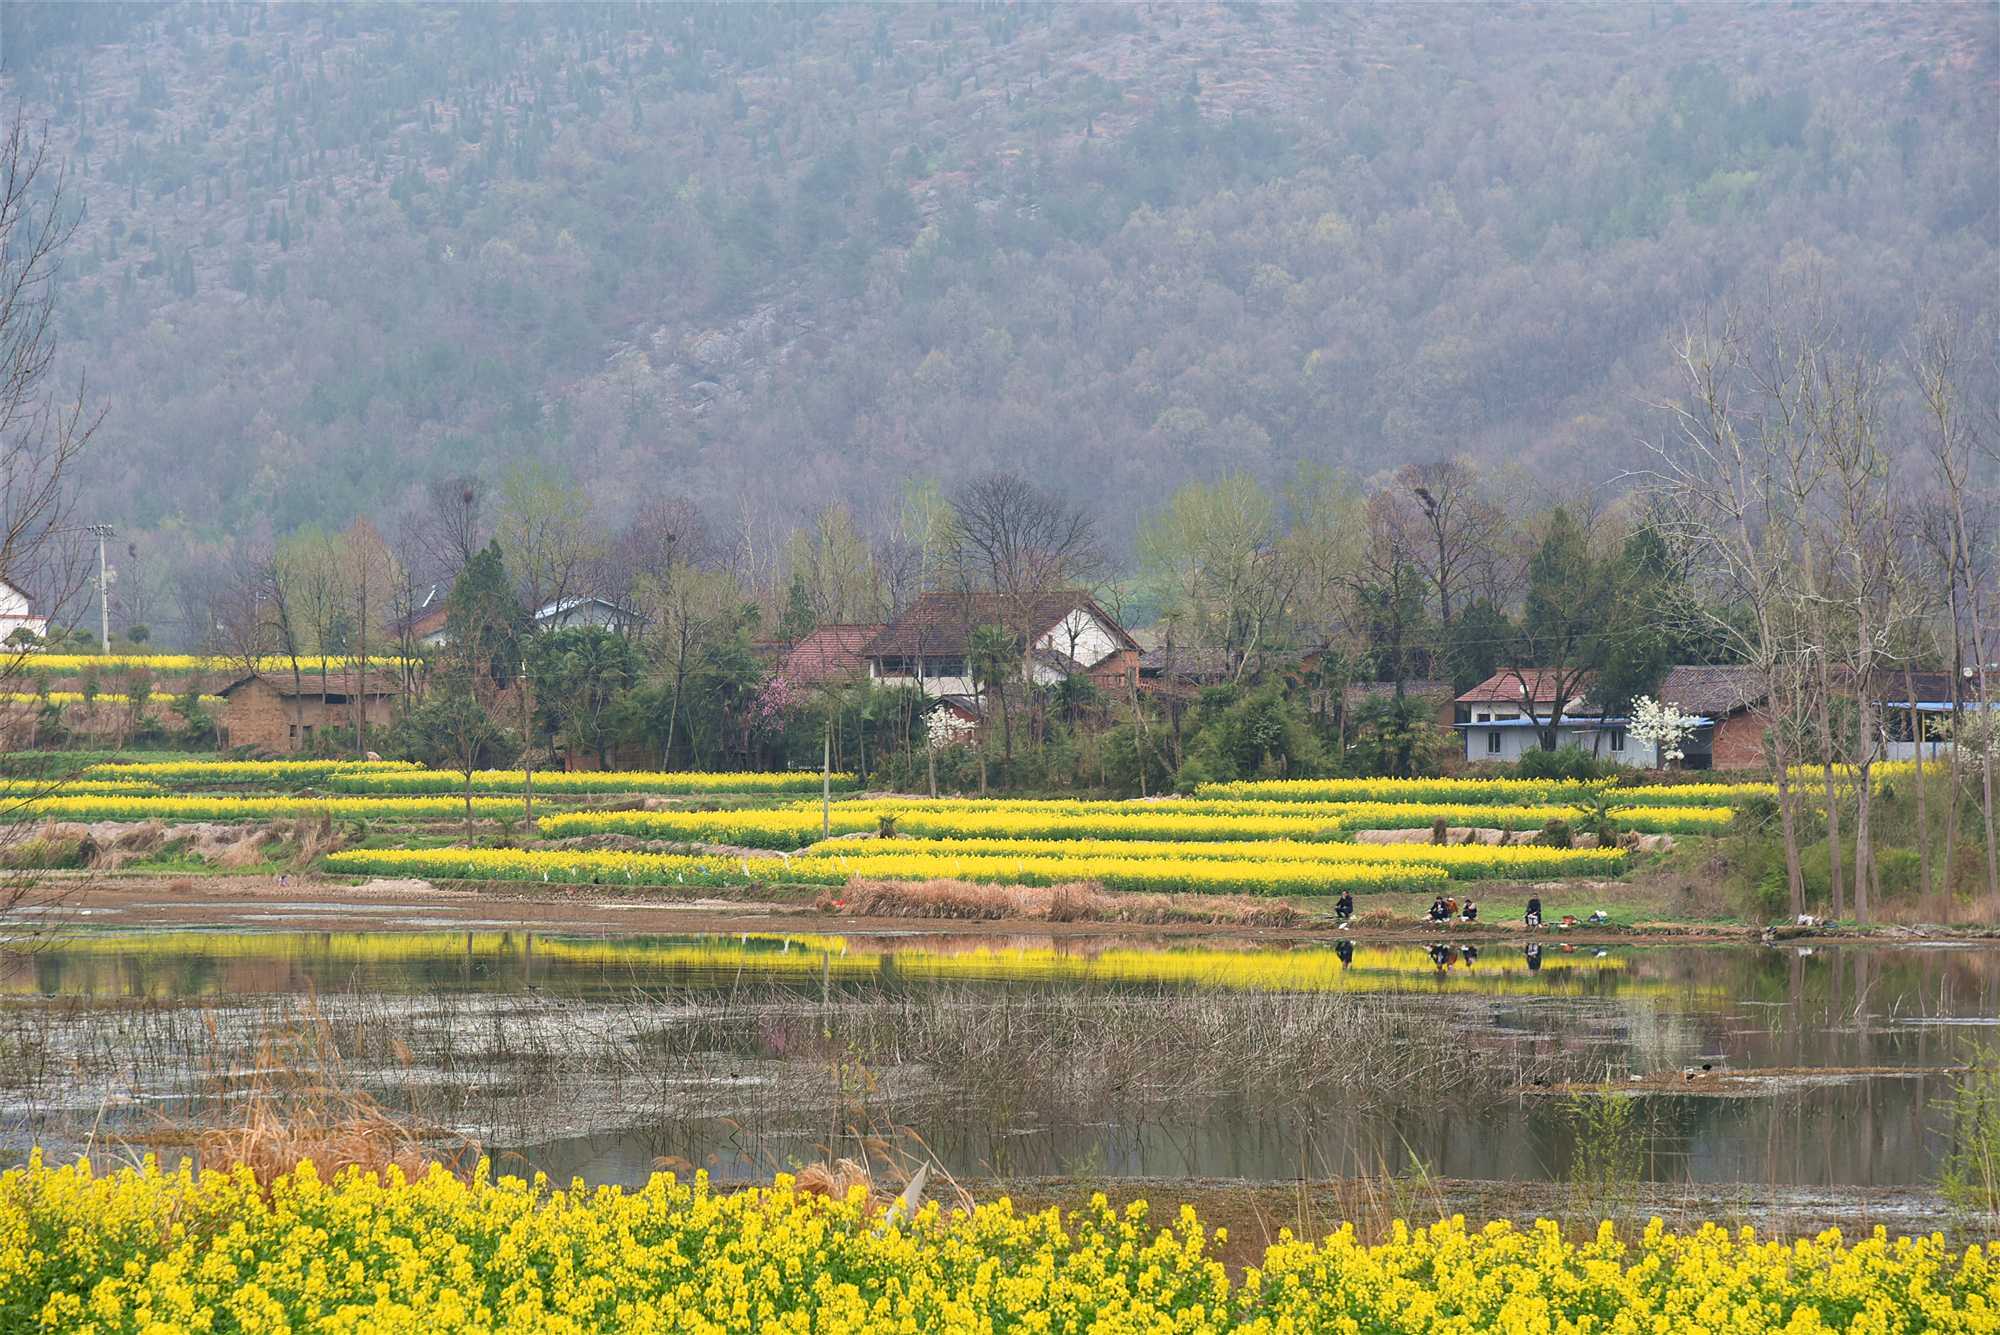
(607, 1057)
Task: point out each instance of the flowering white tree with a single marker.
(946, 727)
(1662, 727)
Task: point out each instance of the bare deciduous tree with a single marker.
(43, 430)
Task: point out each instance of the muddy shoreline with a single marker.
(98, 900)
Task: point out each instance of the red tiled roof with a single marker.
(1714, 691)
(829, 653)
(942, 623)
(1505, 688)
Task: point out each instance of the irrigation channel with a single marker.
(1788, 1087)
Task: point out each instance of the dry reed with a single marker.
(1070, 902)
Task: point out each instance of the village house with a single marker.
(1067, 633)
(587, 610)
(425, 626)
(17, 617)
(1730, 700)
(1502, 718)
(1926, 718)
(273, 712)
(829, 655)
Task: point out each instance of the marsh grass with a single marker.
(1970, 1179)
(1073, 902)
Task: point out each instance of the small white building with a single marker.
(17, 614)
(1502, 720)
(577, 611)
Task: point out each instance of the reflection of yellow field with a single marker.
(1308, 968)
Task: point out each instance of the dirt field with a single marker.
(305, 901)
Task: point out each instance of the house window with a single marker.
(1493, 741)
(293, 736)
(1484, 718)
(1618, 739)
(944, 667)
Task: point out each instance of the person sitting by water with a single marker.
(1343, 908)
(1533, 917)
(1451, 907)
(1438, 910)
(1470, 913)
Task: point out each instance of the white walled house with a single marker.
(579, 611)
(1501, 718)
(929, 645)
(18, 614)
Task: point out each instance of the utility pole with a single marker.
(826, 779)
(103, 531)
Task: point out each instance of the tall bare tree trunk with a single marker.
(1788, 799)
(1917, 752)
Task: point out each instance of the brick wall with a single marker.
(1117, 673)
(257, 715)
(1739, 741)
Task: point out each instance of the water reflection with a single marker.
(1858, 1041)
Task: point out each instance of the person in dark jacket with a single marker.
(1533, 917)
(1343, 908)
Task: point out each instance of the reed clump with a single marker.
(1069, 902)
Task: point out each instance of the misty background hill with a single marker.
(762, 257)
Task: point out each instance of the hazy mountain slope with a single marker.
(763, 256)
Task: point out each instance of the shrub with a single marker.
(1555, 834)
(1571, 763)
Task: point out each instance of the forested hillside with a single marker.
(760, 257)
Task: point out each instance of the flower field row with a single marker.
(35, 660)
(1462, 861)
(65, 787)
(796, 827)
(584, 781)
(104, 698)
(1476, 792)
(781, 828)
(1329, 816)
(888, 861)
(619, 867)
(246, 771)
(578, 866)
(84, 806)
(145, 1250)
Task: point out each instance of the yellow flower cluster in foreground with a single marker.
(145, 1251)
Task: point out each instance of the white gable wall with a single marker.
(1081, 636)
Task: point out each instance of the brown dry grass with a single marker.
(1076, 902)
(297, 1103)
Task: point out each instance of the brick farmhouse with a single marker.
(272, 712)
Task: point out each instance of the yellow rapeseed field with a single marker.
(146, 1251)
